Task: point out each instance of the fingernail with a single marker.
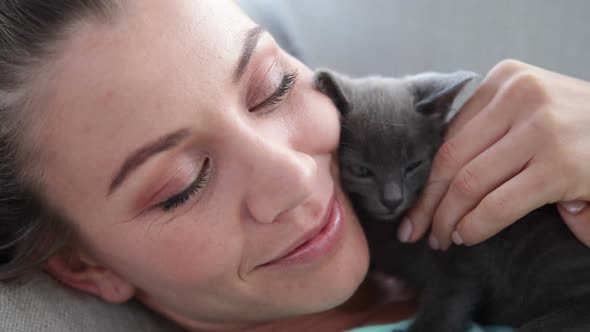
(457, 238)
(405, 231)
(574, 207)
(433, 242)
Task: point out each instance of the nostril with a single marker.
(391, 203)
(283, 182)
(392, 196)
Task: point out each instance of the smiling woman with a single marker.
(187, 160)
(199, 207)
(172, 153)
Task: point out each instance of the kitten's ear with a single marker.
(435, 92)
(334, 86)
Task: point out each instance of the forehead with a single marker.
(383, 123)
(119, 84)
(381, 107)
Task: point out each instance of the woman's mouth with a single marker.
(318, 242)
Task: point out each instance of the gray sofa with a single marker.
(389, 37)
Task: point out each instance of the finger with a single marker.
(477, 102)
(484, 130)
(573, 207)
(417, 219)
(463, 144)
(511, 201)
(484, 94)
(576, 215)
(478, 178)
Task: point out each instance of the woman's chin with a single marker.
(351, 266)
(337, 280)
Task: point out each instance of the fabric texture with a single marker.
(42, 304)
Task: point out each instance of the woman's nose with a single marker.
(281, 178)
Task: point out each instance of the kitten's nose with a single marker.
(392, 196)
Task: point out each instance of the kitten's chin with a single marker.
(392, 216)
(389, 217)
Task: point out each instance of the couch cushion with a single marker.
(42, 304)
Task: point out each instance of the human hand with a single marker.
(521, 141)
(576, 215)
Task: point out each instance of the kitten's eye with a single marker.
(359, 171)
(411, 167)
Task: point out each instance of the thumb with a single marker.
(576, 215)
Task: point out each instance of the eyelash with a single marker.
(284, 88)
(194, 188)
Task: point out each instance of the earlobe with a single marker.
(81, 273)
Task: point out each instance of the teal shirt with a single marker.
(403, 325)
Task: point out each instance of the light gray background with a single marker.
(396, 37)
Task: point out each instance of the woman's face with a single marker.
(193, 154)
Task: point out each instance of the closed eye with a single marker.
(193, 189)
(282, 90)
(359, 171)
(413, 166)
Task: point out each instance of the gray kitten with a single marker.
(534, 275)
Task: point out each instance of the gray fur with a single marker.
(534, 275)
(408, 115)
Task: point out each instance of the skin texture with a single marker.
(160, 66)
(520, 142)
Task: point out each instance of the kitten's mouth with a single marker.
(389, 217)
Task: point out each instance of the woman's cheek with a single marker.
(320, 125)
(174, 255)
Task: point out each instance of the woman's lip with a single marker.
(319, 241)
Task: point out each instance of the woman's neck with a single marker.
(378, 300)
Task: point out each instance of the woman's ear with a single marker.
(77, 270)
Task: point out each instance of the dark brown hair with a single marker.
(30, 231)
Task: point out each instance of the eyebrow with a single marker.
(250, 42)
(171, 140)
(142, 154)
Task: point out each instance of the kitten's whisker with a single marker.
(344, 126)
(392, 124)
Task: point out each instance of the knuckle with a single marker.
(466, 183)
(447, 156)
(497, 207)
(507, 68)
(527, 87)
(546, 126)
